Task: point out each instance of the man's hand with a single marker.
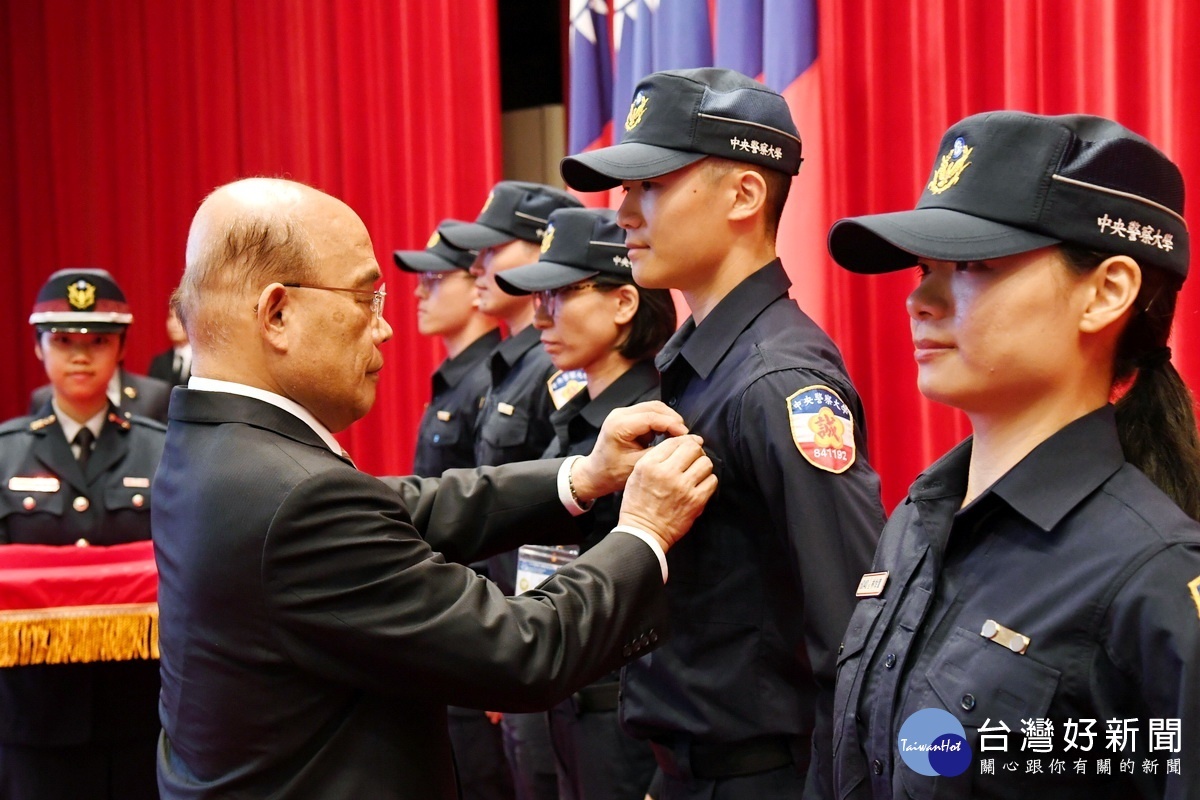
(668, 490)
(624, 438)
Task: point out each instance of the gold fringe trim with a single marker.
(79, 634)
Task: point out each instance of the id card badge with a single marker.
(537, 562)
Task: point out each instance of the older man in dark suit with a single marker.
(315, 621)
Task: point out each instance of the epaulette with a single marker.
(128, 419)
(26, 423)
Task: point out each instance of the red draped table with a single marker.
(62, 605)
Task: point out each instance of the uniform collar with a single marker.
(452, 370)
(624, 391)
(512, 348)
(703, 346)
(1046, 485)
(70, 427)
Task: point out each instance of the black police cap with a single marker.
(513, 210)
(580, 243)
(438, 256)
(1008, 182)
(80, 300)
(681, 116)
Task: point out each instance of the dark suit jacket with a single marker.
(140, 394)
(313, 627)
(162, 367)
(70, 704)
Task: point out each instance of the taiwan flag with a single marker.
(590, 104)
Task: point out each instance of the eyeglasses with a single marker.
(546, 302)
(377, 295)
(427, 280)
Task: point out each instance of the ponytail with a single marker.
(1156, 419)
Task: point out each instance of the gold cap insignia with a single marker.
(952, 166)
(491, 196)
(1194, 585)
(637, 110)
(433, 240)
(81, 295)
(547, 238)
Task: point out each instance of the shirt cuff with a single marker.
(566, 494)
(650, 540)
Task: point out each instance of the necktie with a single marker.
(85, 439)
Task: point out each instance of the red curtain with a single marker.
(895, 75)
(118, 116)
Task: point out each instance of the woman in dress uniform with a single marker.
(78, 473)
(1031, 625)
(594, 318)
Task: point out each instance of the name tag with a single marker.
(444, 416)
(1005, 637)
(34, 484)
(536, 563)
(505, 409)
(135, 483)
(871, 585)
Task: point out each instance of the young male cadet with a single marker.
(759, 601)
(448, 308)
(514, 424)
(314, 622)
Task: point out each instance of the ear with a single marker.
(1115, 286)
(628, 299)
(273, 313)
(37, 349)
(750, 194)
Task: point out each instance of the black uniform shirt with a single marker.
(762, 587)
(577, 426)
(446, 436)
(514, 424)
(1073, 548)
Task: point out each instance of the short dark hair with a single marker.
(652, 323)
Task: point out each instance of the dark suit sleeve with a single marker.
(465, 516)
(356, 594)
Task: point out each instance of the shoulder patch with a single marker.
(565, 385)
(822, 428)
(1194, 585)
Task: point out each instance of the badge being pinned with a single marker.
(565, 385)
(822, 428)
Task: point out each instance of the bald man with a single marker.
(315, 621)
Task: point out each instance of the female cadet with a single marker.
(594, 318)
(1031, 625)
(79, 473)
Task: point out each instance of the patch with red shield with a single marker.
(822, 428)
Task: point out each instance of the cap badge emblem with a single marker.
(488, 202)
(637, 110)
(81, 295)
(433, 240)
(547, 238)
(951, 167)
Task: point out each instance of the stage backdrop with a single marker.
(872, 85)
(117, 117)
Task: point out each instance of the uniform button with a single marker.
(967, 702)
(654, 636)
(673, 401)
(889, 660)
(627, 651)
(437, 437)
(29, 504)
(80, 504)
(82, 542)
(877, 767)
(841, 648)
(138, 501)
